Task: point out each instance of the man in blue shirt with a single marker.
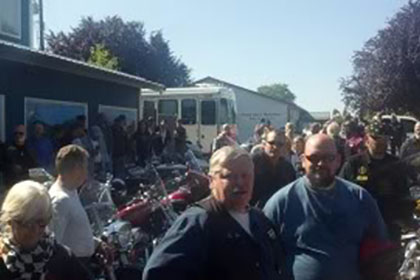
(322, 220)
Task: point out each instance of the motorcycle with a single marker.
(117, 234)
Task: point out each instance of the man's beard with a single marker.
(320, 178)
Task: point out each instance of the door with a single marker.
(189, 119)
(208, 124)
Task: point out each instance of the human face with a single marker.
(39, 130)
(28, 234)
(274, 144)
(19, 135)
(299, 146)
(417, 130)
(233, 184)
(320, 161)
(377, 145)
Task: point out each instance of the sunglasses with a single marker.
(315, 159)
(276, 143)
(19, 133)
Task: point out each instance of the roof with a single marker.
(23, 54)
(185, 91)
(209, 78)
(320, 116)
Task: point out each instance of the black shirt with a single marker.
(269, 180)
(386, 180)
(19, 161)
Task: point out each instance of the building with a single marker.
(252, 107)
(39, 86)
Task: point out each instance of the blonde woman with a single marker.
(27, 250)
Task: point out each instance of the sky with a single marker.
(307, 44)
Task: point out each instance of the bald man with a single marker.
(323, 219)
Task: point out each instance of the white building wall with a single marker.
(252, 108)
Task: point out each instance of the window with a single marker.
(149, 110)
(232, 110)
(168, 108)
(227, 111)
(10, 18)
(2, 119)
(189, 111)
(208, 112)
(224, 112)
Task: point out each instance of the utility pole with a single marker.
(41, 25)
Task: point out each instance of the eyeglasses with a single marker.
(41, 223)
(19, 133)
(315, 159)
(276, 143)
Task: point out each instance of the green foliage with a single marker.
(102, 57)
(386, 72)
(278, 90)
(150, 58)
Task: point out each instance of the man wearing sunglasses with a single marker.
(18, 158)
(323, 219)
(272, 170)
(384, 176)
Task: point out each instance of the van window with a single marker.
(168, 107)
(208, 112)
(189, 111)
(149, 110)
(224, 111)
(232, 111)
(227, 111)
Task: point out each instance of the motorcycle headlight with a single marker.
(119, 232)
(124, 235)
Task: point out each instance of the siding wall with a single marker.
(18, 81)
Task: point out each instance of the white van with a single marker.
(408, 123)
(203, 110)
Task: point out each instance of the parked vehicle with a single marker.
(203, 110)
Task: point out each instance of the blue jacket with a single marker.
(210, 244)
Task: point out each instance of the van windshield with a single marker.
(227, 111)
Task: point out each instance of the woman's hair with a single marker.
(69, 157)
(26, 201)
(224, 156)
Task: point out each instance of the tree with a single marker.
(100, 56)
(151, 59)
(386, 72)
(278, 90)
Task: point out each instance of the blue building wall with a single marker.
(25, 26)
(18, 81)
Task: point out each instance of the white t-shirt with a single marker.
(70, 222)
(243, 219)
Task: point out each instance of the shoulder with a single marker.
(389, 157)
(193, 218)
(284, 193)
(257, 154)
(359, 192)
(58, 195)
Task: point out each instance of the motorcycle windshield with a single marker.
(96, 199)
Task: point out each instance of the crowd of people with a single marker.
(310, 206)
(111, 146)
(335, 197)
